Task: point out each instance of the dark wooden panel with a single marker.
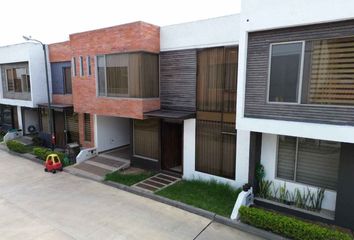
(178, 71)
(172, 145)
(257, 76)
(345, 190)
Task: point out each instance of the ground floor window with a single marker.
(309, 161)
(216, 148)
(147, 138)
(72, 127)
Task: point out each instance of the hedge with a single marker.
(288, 226)
(42, 153)
(18, 147)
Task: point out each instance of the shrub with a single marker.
(42, 153)
(288, 226)
(17, 147)
(37, 141)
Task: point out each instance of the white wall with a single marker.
(221, 31)
(255, 16)
(31, 118)
(111, 132)
(268, 160)
(189, 150)
(33, 54)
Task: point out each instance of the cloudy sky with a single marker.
(52, 21)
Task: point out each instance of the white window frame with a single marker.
(300, 79)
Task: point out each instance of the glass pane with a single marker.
(146, 138)
(231, 60)
(285, 72)
(67, 80)
(150, 75)
(117, 74)
(101, 76)
(10, 80)
(318, 163)
(331, 72)
(286, 157)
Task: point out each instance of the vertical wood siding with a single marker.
(256, 105)
(178, 71)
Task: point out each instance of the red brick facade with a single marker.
(132, 37)
(60, 52)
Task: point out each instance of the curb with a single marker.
(25, 155)
(201, 212)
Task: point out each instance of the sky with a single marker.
(52, 21)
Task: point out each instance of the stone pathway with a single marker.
(157, 182)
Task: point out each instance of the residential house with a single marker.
(23, 86)
(295, 100)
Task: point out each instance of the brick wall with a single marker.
(60, 52)
(62, 99)
(132, 37)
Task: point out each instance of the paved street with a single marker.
(39, 205)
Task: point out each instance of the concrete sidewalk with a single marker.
(39, 205)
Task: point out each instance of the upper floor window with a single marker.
(88, 62)
(312, 72)
(81, 66)
(128, 75)
(74, 66)
(17, 78)
(285, 72)
(67, 80)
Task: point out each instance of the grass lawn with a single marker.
(128, 177)
(212, 196)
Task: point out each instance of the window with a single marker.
(87, 126)
(74, 66)
(17, 79)
(72, 124)
(67, 80)
(285, 72)
(81, 66)
(308, 161)
(146, 138)
(88, 62)
(128, 75)
(331, 74)
(216, 107)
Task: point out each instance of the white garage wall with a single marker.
(31, 118)
(112, 132)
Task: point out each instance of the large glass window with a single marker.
(285, 70)
(216, 107)
(331, 75)
(128, 75)
(147, 138)
(17, 79)
(309, 161)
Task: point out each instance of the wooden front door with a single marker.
(59, 128)
(171, 146)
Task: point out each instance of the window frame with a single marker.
(295, 167)
(13, 68)
(300, 78)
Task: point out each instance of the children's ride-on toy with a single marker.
(53, 163)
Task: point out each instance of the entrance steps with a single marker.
(97, 167)
(157, 182)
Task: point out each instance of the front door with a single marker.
(59, 128)
(171, 146)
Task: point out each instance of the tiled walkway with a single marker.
(157, 182)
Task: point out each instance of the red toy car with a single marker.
(53, 163)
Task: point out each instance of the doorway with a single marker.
(172, 146)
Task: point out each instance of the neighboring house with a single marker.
(198, 76)
(23, 86)
(295, 99)
(65, 120)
